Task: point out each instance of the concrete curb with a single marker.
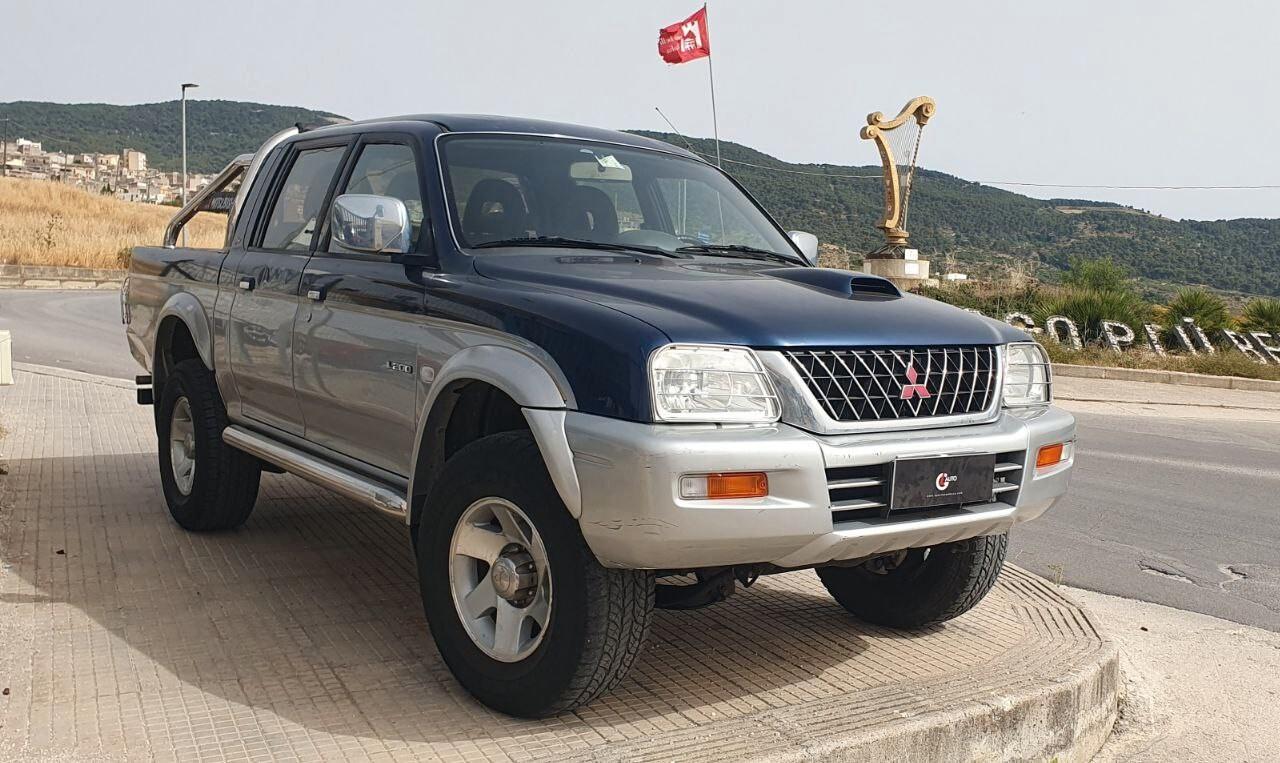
(1055, 703)
(1166, 377)
(43, 277)
(80, 376)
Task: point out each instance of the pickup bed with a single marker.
(592, 376)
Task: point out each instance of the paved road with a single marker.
(80, 330)
(1182, 512)
(1178, 512)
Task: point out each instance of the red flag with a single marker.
(686, 40)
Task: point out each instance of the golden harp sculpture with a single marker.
(898, 141)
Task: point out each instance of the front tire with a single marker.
(522, 612)
(207, 484)
(919, 587)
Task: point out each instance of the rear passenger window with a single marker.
(295, 215)
(389, 169)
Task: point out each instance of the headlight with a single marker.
(1027, 377)
(711, 384)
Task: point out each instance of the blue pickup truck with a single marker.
(593, 377)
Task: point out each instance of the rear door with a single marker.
(360, 324)
(260, 330)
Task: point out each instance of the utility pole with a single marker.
(4, 168)
(185, 85)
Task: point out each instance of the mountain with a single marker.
(980, 224)
(216, 130)
(980, 227)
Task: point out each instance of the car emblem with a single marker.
(911, 388)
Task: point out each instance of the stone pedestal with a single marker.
(906, 274)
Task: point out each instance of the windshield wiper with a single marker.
(739, 250)
(578, 243)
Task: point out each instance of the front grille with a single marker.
(899, 383)
(861, 493)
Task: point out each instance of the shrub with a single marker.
(1261, 314)
(1208, 309)
(1088, 308)
(1098, 275)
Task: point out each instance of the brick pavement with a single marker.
(301, 637)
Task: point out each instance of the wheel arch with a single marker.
(508, 377)
(183, 328)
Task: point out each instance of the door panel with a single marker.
(355, 357)
(260, 336)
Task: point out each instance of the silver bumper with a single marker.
(633, 515)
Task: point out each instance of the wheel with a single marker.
(208, 484)
(919, 586)
(522, 612)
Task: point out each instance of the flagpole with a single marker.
(715, 126)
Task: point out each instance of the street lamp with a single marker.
(185, 85)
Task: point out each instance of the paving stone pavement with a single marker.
(300, 636)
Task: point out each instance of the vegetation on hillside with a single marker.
(45, 223)
(216, 130)
(952, 217)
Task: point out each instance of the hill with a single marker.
(984, 229)
(979, 224)
(216, 130)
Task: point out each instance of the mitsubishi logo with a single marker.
(911, 388)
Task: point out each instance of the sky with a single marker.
(1157, 92)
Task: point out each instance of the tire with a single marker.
(222, 486)
(596, 620)
(926, 587)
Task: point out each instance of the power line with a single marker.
(984, 182)
(1135, 187)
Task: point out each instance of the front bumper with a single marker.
(633, 515)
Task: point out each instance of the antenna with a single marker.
(675, 129)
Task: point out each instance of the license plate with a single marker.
(920, 483)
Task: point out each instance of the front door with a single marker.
(260, 330)
(360, 325)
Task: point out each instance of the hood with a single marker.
(751, 303)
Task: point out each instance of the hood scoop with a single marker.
(845, 283)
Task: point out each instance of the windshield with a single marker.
(531, 191)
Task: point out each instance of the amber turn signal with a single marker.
(1049, 455)
(736, 485)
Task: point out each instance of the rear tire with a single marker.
(919, 587)
(207, 484)
(579, 625)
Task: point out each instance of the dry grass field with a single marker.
(44, 223)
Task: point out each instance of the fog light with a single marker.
(737, 485)
(1050, 455)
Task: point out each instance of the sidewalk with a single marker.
(1169, 400)
(1196, 688)
(301, 637)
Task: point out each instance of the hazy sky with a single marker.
(1162, 92)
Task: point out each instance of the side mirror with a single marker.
(807, 243)
(371, 224)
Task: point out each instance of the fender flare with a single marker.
(186, 308)
(542, 393)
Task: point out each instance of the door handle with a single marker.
(316, 294)
(247, 283)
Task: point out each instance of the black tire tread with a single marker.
(227, 479)
(961, 574)
(619, 603)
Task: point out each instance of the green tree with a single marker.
(1207, 309)
(1101, 274)
(1261, 314)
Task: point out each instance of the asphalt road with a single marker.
(1180, 512)
(79, 330)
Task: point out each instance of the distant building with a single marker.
(134, 161)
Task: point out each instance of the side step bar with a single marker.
(312, 469)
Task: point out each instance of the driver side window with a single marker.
(295, 213)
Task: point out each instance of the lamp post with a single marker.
(4, 166)
(185, 85)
